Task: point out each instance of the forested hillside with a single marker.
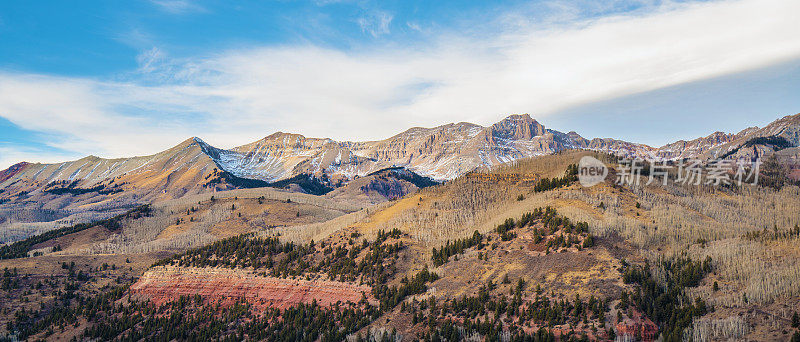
(520, 252)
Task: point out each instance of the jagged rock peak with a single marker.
(193, 141)
(289, 139)
(518, 126)
(282, 136)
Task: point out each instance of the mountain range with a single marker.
(441, 153)
(289, 223)
(38, 197)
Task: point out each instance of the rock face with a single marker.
(698, 147)
(442, 153)
(165, 283)
(380, 186)
(781, 136)
(11, 171)
(621, 148)
(171, 173)
(518, 127)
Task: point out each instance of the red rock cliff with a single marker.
(165, 283)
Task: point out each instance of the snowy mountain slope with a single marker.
(442, 153)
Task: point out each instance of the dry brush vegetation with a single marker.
(748, 232)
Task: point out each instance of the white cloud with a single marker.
(376, 23)
(12, 155)
(178, 6)
(238, 96)
(149, 59)
(85, 116)
(414, 26)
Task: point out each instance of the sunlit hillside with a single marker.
(518, 250)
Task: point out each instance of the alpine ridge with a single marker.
(441, 153)
(38, 197)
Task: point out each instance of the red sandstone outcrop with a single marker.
(639, 327)
(225, 286)
(11, 171)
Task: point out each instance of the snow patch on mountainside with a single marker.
(442, 152)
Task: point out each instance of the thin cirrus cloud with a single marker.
(376, 23)
(178, 6)
(240, 95)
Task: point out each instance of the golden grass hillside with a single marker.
(746, 235)
(654, 222)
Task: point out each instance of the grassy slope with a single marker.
(667, 221)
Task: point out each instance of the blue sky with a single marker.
(120, 78)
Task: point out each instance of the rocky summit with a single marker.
(457, 232)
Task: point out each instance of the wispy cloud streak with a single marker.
(239, 95)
